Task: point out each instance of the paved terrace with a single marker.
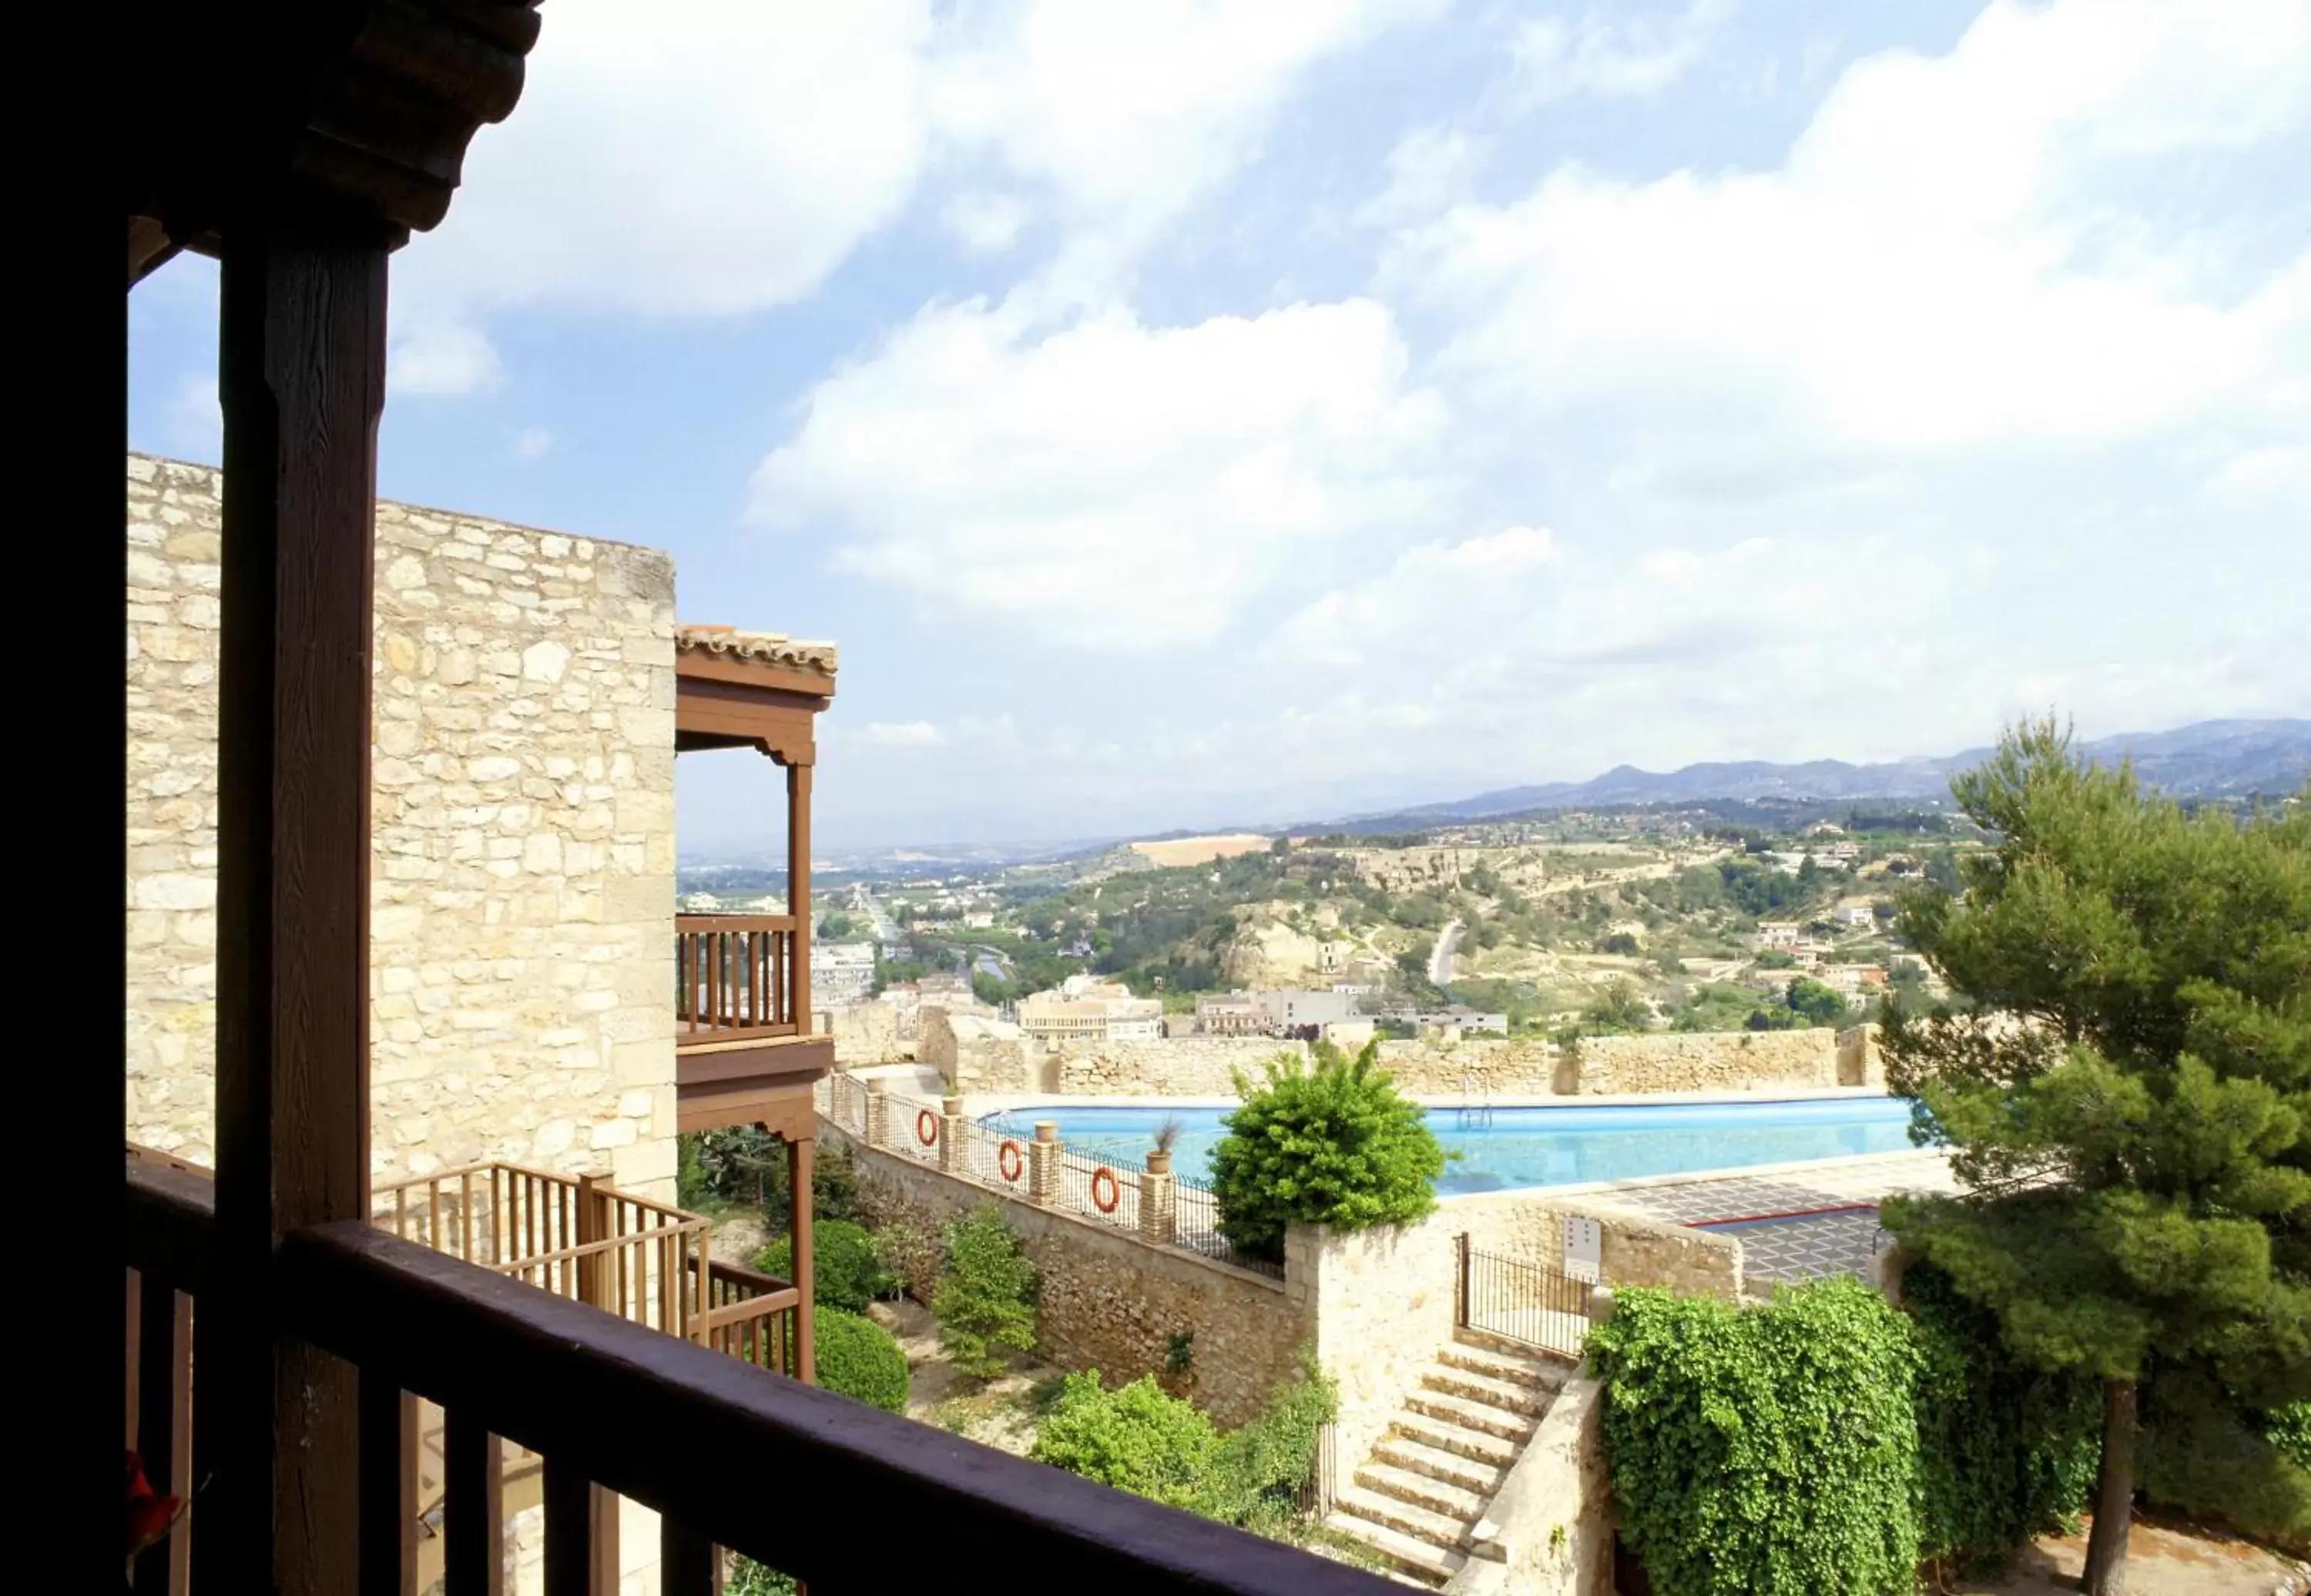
(1796, 1221)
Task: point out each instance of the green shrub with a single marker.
(745, 1166)
(847, 1270)
(2005, 1452)
(860, 1359)
(1333, 1145)
(1138, 1438)
(985, 1298)
(2204, 1452)
(1265, 1465)
(1764, 1451)
(750, 1578)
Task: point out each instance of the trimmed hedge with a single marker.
(847, 1270)
(859, 1359)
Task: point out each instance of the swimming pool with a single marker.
(1544, 1146)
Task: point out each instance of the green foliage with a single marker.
(2004, 1451)
(847, 1270)
(2137, 1150)
(1817, 1004)
(1771, 1450)
(860, 1359)
(1620, 1007)
(750, 1578)
(836, 926)
(985, 1303)
(1141, 1439)
(1620, 942)
(2206, 1452)
(1334, 1144)
(1138, 1438)
(1178, 1351)
(740, 1164)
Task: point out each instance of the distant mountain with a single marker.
(2213, 758)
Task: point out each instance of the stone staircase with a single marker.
(1415, 1503)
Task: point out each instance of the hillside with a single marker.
(2213, 758)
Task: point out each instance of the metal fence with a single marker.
(1522, 1302)
(846, 1103)
(993, 1158)
(916, 1128)
(1098, 1189)
(1196, 1225)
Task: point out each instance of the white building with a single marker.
(1057, 1019)
(842, 972)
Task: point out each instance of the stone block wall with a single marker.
(1110, 1301)
(522, 891)
(1706, 1061)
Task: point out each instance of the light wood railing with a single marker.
(735, 976)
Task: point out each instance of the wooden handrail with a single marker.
(734, 922)
(169, 1220)
(508, 1359)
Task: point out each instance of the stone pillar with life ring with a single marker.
(1043, 1164)
(1159, 1197)
(951, 1134)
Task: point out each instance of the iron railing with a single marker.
(1522, 1302)
(1196, 1225)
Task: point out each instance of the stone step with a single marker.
(1517, 1368)
(1422, 1490)
(1404, 1559)
(1514, 1346)
(1399, 1451)
(1441, 1531)
(1442, 1434)
(1481, 1416)
(1431, 1566)
(1506, 1395)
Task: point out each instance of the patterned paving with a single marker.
(1788, 1235)
(1792, 1249)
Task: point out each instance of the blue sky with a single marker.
(1190, 413)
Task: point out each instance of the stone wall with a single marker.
(522, 886)
(977, 1052)
(1551, 1523)
(1111, 1302)
(1707, 1061)
(1381, 1302)
(869, 1034)
(1524, 1066)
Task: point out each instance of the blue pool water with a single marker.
(1546, 1147)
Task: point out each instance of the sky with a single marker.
(1201, 412)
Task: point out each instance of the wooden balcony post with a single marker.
(799, 890)
(301, 364)
(800, 1174)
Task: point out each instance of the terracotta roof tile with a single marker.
(774, 646)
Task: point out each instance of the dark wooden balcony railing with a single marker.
(735, 976)
(728, 1454)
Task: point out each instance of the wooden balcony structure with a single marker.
(277, 1335)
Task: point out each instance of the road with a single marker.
(1440, 964)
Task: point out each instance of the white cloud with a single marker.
(690, 157)
(1434, 588)
(532, 443)
(1109, 484)
(429, 358)
(985, 223)
(900, 734)
(1428, 171)
(1626, 55)
(1945, 261)
(1132, 112)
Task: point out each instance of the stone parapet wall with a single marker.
(1633, 1250)
(1110, 1301)
(1704, 1061)
(1521, 1066)
(522, 879)
(1551, 1523)
(869, 1034)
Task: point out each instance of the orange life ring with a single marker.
(1105, 1204)
(927, 1128)
(1009, 1161)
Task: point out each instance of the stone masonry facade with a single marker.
(522, 890)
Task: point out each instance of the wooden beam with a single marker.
(301, 364)
(799, 1175)
(799, 886)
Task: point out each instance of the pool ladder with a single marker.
(1476, 1102)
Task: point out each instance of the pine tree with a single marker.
(2128, 1103)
